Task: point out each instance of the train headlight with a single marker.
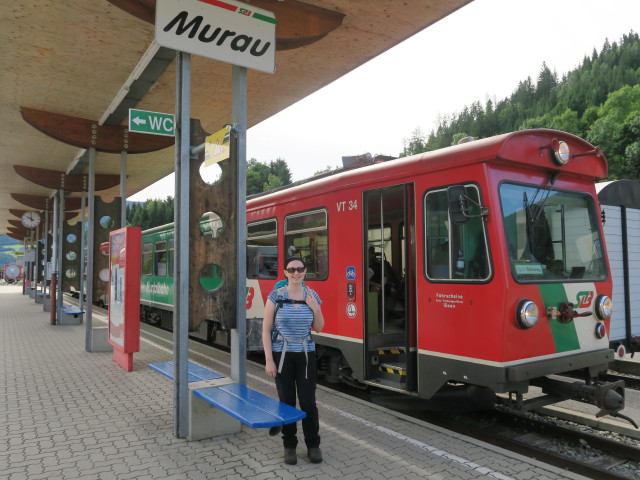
(560, 152)
(527, 313)
(604, 307)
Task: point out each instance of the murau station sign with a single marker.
(229, 31)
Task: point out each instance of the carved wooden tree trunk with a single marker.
(216, 252)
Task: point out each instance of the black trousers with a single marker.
(291, 381)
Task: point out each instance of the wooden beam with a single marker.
(39, 203)
(19, 231)
(16, 236)
(60, 180)
(299, 24)
(17, 213)
(84, 133)
(67, 215)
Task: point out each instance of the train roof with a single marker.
(524, 147)
(619, 193)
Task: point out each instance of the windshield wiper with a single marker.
(552, 180)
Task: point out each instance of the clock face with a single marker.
(31, 219)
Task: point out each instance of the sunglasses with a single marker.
(295, 269)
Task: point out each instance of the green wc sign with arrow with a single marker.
(155, 123)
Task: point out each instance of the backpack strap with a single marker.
(276, 335)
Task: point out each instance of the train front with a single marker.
(551, 287)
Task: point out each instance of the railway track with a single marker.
(577, 448)
(578, 451)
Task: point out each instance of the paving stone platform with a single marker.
(70, 414)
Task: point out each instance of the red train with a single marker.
(481, 266)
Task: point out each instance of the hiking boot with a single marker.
(290, 457)
(315, 455)
(273, 431)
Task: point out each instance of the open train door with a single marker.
(390, 313)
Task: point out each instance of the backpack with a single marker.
(275, 333)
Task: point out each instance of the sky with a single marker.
(477, 53)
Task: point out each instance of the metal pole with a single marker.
(24, 266)
(53, 304)
(123, 189)
(54, 232)
(38, 260)
(90, 242)
(60, 301)
(82, 243)
(239, 118)
(46, 250)
(181, 222)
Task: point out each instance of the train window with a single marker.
(551, 234)
(382, 246)
(306, 235)
(172, 256)
(161, 259)
(262, 249)
(147, 258)
(455, 252)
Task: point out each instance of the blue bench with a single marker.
(233, 404)
(70, 315)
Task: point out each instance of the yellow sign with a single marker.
(216, 146)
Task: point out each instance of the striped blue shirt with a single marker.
(293, 321)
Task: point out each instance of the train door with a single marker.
(389, 327)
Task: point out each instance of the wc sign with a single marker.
(229, 31)
(155, 123)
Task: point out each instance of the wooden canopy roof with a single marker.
(76, 60)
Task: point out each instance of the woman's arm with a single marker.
(267, 326)
(318, 318)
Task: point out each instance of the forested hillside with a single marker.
(598, 101)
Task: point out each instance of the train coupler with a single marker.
(609, 397)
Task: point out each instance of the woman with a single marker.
(290, 356)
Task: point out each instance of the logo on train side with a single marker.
(584, 298)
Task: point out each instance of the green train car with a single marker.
(156, 276)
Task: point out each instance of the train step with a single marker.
(393, 371)
(390, 355)
(392, 351)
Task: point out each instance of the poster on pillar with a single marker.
(124, 294)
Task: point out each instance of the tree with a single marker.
(616, 119)
(631, 138)
(326, 169)
(262, 177)
(577, 103)
(151, 213)
(417, 143)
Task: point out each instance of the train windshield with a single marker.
(551, 234)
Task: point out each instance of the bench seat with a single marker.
(233, 403)
(71, 310)
(70, 315)
(197, 373)
(250, 407)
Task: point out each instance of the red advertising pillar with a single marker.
(124, 294)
